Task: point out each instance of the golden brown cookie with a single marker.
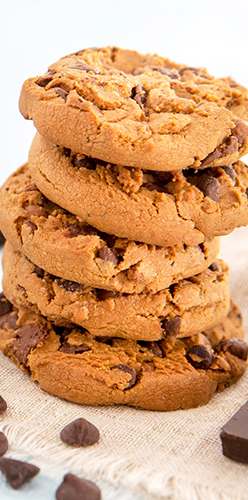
(166, 375)
(161, 208)
(65, 246)
(183, 309)
(138, 110)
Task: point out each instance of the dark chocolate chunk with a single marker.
(75, 488)
(240, 132)
(200, 357)
(172, 326)
(61, 92)
(16, 472)
(105, 294)
(2, 238)
(74, 230)
(3, 444)
(236, 347)
(127, 369)
(44, 80)
(139, 95)
(3, 405)
(84, 67)
(106, 254)
(9, 321)
(83, 162)
(36, 210)
(5, 305)
(79, 433)
(210, 187)
(29, 187)
(73, 349)
(174, 75)
(38, 271)
(234, 436)
(70, 286)
(231, 172)
(215, 266)
(26, 339)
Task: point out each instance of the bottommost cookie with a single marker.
(164, 375)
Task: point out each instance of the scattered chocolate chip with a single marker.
(79, 433)
(3, 405)
(139, 95)
(26, 339)
(9, 320)
(3, 444)
(31, 225)
(211, 188)
(29, 187)
(5, 305)
(108, 255)
(240, 132)
(61, 92)
(127, 369)
(73, 349)
(155, 349)
(234, 436)
(70, 286)
(200, 357)
(84, 162)
(231, 172)
(74, 230)
(215, 266)
(16, 472)
(84, 67)
(172, 326)
(2, 238)
(236, 347)
(44, 80)
(38, 271)
(36, 210)
(75, 488)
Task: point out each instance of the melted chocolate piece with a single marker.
(127, 369)
(172, 326)
(139, 95)
(61, 92)
(75, 488)
(70, 286)
(211, 188)
(234, 436)
(236, 347)
(3, 405)
(16, 472)
(73, 349)
(5, 305)
(25, 340)
(108, 255)
(79, 433)
(84, 67)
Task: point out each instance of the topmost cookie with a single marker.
(138, 110)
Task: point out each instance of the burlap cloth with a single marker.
(141, 454)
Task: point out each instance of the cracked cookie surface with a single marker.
(65, 246)
(183, 309)
(138, 110)
(166, 375)
(161, 208)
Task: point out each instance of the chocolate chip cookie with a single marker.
(66, 246)
(183, 309)
(138, 110)
(160, 208)
(165, 375)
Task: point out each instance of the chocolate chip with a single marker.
(196, 71)
(74, 230)
(84, 67)
(84, 162)
(44, 80)
(70, 286)
(236, 347)
(3, 444)
(3, 405)
(105, 294)
(61, 92)
(29, 187)
(215, 266)
(211, 188)
(240, 132)
(174, 75)
(200, 357)
(231, 172)
(155, 349)
(127, 369)
(26, 339)
(5, 305)
(108, 255)
(172, 326)
(79, 433)
(139, 95)
(73, 349)
(36, 210)
(75, 488)
(16, 472)
(10, 321)
(31, 225)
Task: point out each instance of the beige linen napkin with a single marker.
(142, 455)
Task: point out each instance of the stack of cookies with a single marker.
(113, 292)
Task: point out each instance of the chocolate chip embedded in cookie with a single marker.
(152, 375)
(66, 246)
(138, 110)
(160, 208)
(183, 309)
